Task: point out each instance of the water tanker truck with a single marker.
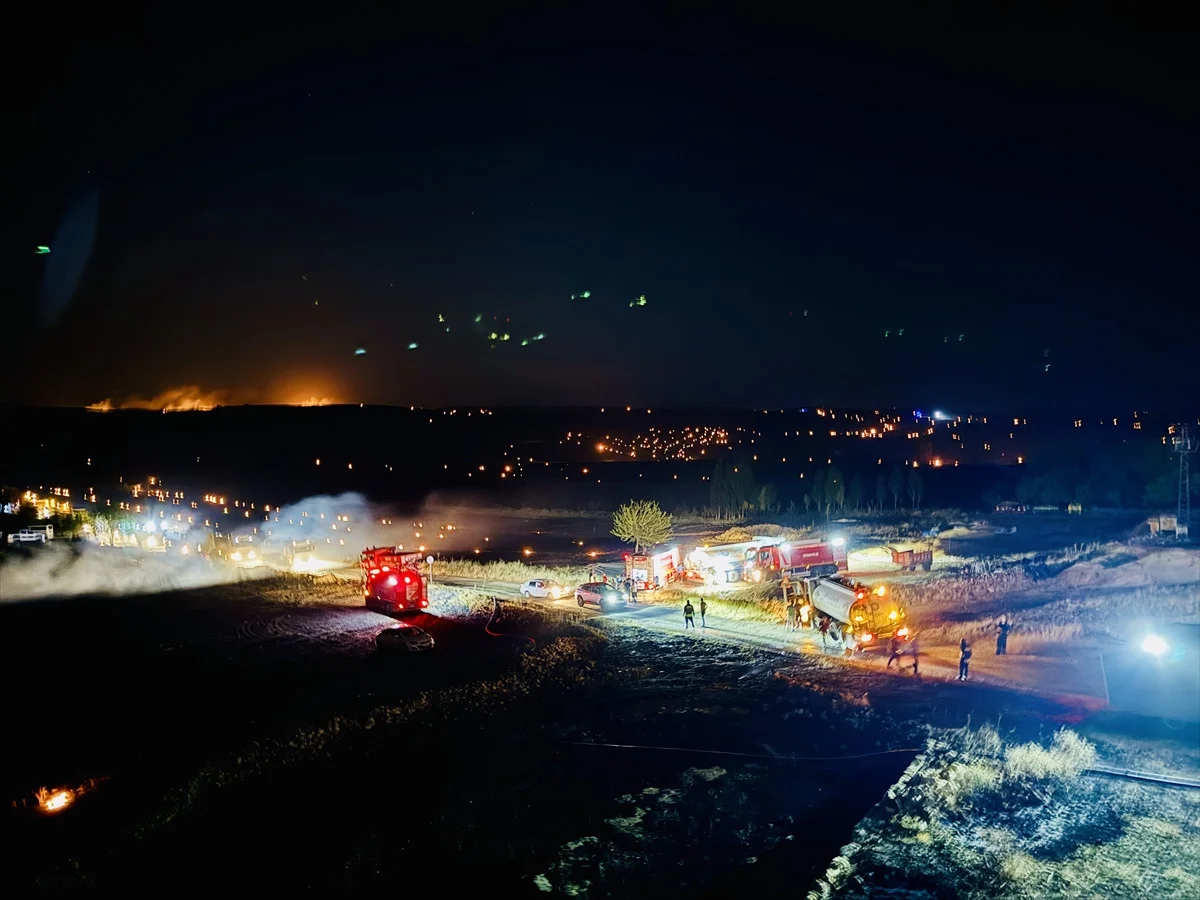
(862, 618)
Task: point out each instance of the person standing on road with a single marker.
(633, 590)
(824, 629)
(791, 616)
(703, 611)
(915, 650)
(964, 659)
(894, 651)
(689, 613)
(1003, 627)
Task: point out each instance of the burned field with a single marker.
(252, 734)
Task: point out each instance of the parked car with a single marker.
(542, 587)
(601, 594)
(405, 638)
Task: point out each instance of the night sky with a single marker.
(241, 205)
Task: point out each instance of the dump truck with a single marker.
(391, 580)
(797, 559)
(862, 618)
(651, 571)
(910, 559)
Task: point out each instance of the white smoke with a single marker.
(62, 569)
(340, 527)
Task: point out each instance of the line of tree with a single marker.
(1144, 476)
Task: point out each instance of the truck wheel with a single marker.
(927, 566)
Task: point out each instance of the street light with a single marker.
(1155, 645)
(429, 560)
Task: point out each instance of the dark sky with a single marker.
(274, 195)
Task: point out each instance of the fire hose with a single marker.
(495, 616)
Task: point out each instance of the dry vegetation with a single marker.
(1020, 821)
(511, 572)
(754, 603)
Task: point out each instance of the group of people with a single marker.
(1003, 627)
(689, 614)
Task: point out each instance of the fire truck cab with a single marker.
(391, 580)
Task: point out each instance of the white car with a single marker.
(543, 587)
(404, 637)
(27, 535)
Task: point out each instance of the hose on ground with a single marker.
(496, 615)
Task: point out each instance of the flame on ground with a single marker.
(179, 399)
(191, 398)
(51, 801)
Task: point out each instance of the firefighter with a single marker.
(915, 651)
(964, 659)
(689, 613)
(1003, 627)
(824, 629)
(895, 651)
(703, 611)
(633, 586)
(791, 616)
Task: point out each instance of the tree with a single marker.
(719, 493)
(768, 498)
(881, 490)
(835, 490)
(916, 488)
(817, 491)
(896, 485)
(643, 524)
(856, 492)
(807, 501)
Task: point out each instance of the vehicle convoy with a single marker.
(862, 618)
(798, 559)
(910, 559)
(391, 580)
(650, 571)
(33, 534)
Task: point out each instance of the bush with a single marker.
(1066, 758)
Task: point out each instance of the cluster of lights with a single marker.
(683, 444)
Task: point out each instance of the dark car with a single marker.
(598, 593)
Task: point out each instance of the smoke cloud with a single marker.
(62, 569)
(339, 527)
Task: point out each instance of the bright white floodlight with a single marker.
(1155, 645)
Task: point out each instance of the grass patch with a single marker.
(753, 603)
(994, 820)
(510, 572)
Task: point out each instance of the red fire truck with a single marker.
(391, 580)
(801, 559)
(654, 571)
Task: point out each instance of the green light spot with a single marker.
(42, 250)
(412, 346)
